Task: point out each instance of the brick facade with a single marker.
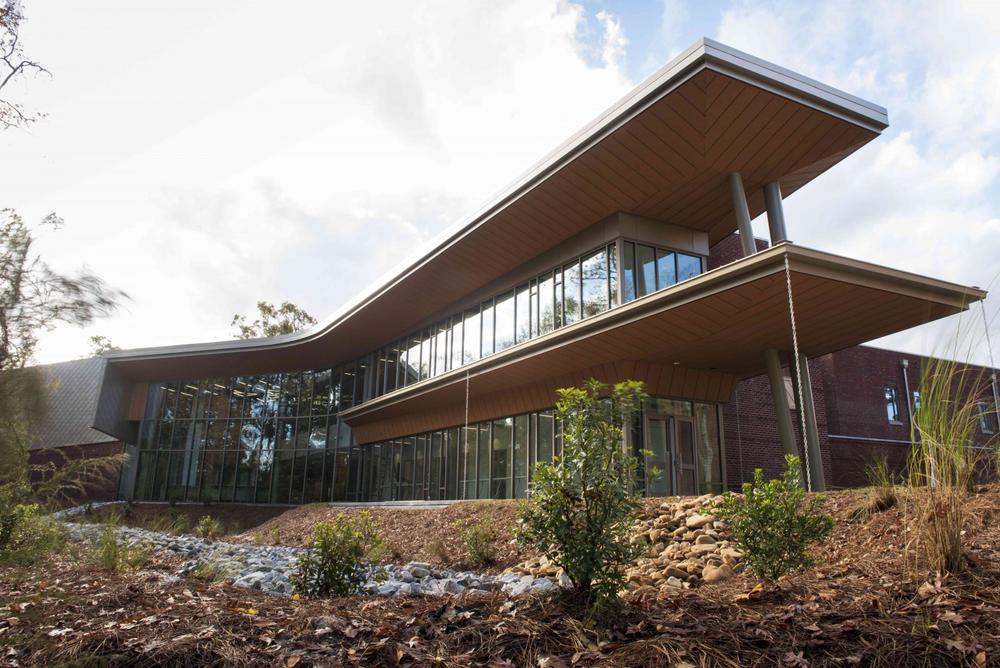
(851, 416)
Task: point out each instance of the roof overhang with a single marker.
(707, 333)
(663, 151)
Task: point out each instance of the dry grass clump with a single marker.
(943, 460)
(883, 493)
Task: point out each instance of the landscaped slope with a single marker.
(868, 601)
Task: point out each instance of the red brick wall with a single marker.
(848, 390)
(729, 250)
(751, 432)
(105, 490)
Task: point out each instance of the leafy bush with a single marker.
(772, 523)
(27, 536)
(339, 555)
(117, 557)
(582, 506)
(478, 540)
(208, 527)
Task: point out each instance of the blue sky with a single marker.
(207, 155)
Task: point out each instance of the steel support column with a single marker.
(782, 412)
(742, 214)
(812, 431)
(775, 213)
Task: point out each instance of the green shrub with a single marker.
(27, 536)
(208, 527)
(582, 506)
(117, 557)
(478, 541)
(773, 525)
(339, 554)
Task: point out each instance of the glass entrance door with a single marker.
(686, 456)
(672, 462)
(659, 472)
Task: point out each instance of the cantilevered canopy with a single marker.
(664, 152)
(693, 340)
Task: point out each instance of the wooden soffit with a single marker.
(663, 152)
(709, 331)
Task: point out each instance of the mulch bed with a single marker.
(410, 534)
(863, 604)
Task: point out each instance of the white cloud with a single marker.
(209, 155)
(922, 197)
(205, 157)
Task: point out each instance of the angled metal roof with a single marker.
(431, 280)
(74, 388)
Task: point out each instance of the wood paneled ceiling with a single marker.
(663, 152)
(707, 332)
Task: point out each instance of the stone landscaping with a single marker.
(686, 546)
(267, 568)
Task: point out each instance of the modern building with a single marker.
(67, 431)
(439, 383)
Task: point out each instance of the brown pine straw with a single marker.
(861, 605)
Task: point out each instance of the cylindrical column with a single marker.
(782, 412)
(742, 214)
(812, 431)
(775, 212)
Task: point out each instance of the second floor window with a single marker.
(891, 404)
(985, 418)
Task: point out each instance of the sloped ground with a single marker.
(433, 535)
(863, 604)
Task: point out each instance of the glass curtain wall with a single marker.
(579, 289)
(269, 439)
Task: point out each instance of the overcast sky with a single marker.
(206, 155)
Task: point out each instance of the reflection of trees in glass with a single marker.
(595, 284)
(272, 321)
(504, 314)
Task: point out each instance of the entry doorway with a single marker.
(672, 462)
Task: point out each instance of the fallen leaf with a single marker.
(951, 616)
(292, 661)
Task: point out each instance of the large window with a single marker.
(986, 418)
(504, 314)
(596, 285)
(646, 269)
(891, 404)
(503, 433)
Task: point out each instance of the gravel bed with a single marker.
(267, 568)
